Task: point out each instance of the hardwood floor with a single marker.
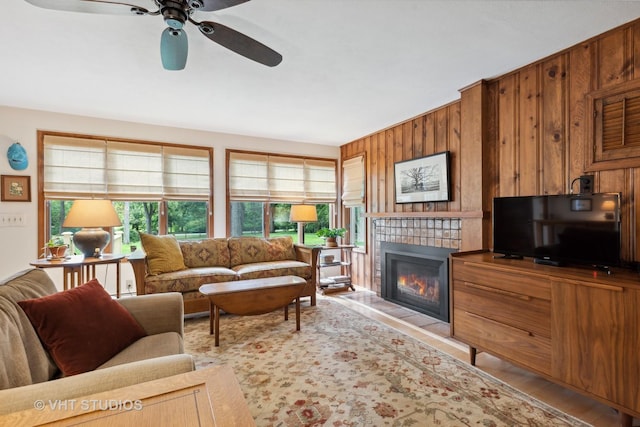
(436, 334)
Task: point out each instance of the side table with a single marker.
(78, 269)
(342, 282)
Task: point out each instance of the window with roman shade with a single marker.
(275, 178)
(155, 188)
(353, 188)
(76, 167)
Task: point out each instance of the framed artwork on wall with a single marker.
(15, 188)
(425, 179)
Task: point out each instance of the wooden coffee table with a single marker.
(252, 297)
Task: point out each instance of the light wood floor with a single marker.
(436, 334)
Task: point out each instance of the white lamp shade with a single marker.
(303, 213)
(92, 213)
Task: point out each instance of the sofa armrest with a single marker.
(309, 255)
(22, 398)
(138, 261)
(157, 313)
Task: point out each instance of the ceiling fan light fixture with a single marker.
(174, 49)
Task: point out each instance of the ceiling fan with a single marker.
(176, 13)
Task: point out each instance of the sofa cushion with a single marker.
(24, 359)
(83, 327)
(247, 250)
(187, 280)
(261, 270)
(163, 253)
(205, 253)
(158, 345)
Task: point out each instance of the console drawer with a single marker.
(504, 279)
(520, 311)
(517, 345)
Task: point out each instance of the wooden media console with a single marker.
(576, 326)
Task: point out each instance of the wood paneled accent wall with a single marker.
(524, 133)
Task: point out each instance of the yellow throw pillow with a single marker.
(163, 253)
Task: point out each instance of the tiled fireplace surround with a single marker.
(435, 232)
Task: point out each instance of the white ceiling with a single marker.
(350, 67)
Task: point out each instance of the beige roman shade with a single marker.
(353, 188)
(95, 168)
(271, 178)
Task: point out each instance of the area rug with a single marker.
(344, 369)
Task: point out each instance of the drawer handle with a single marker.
(498, 291)
(486, 319)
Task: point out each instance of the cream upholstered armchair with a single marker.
(44, 359)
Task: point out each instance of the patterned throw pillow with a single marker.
(247, 250)
(163, 254)
(205, 253)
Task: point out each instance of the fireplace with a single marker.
(416, 277)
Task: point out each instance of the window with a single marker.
(262, 188)
(155, 188)
(353, 199)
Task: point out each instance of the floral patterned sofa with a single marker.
(167, 265)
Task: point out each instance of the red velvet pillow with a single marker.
(83, 327)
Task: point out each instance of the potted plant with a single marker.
(330, 235)
(55, 248)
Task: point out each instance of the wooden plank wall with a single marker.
(430, 133)
(536, 136)
(541, 125)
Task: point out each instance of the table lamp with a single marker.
(91, 215)
(303, 214)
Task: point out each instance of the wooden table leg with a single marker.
(118, 279)
(210, 318)
(286, 312)
(298, 314)
(216, 311)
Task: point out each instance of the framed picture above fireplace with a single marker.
(425, 179)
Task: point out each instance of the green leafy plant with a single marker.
(331, 232)
(55, 241)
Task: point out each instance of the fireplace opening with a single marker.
(416, 277)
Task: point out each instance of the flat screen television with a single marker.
(559, 229)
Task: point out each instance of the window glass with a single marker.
(247, 219)
(357, 226)
(187, 220)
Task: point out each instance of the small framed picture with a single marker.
(423, 180)
(15, 188)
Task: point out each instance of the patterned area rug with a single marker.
(343, 369)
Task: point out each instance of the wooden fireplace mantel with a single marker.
(441, 214)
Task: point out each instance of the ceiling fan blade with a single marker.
(213, 5)
(239, 43)
(174, 48)
(91, 6)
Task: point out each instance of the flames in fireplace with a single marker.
(427, 288)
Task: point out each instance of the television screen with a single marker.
(568, 228)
